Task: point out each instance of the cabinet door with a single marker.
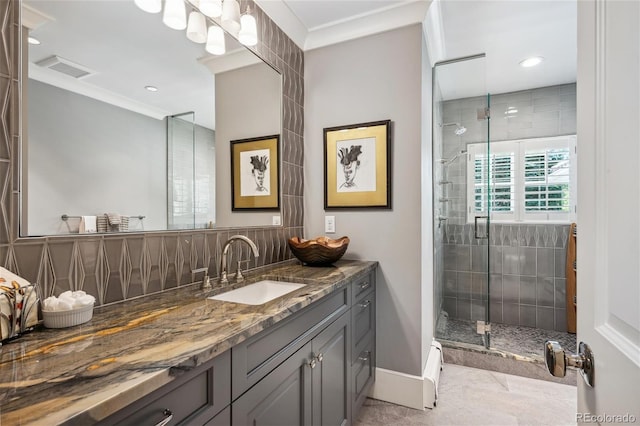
(330, 376)
(283, 397)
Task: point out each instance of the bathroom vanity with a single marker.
(304, 358)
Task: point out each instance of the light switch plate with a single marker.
(275, 220)
(330, 224)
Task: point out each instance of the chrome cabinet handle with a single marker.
(557, 360)
(365, 285)
(168, 416)
(312, 363)
(364, 305)
(320, 357)
(365, 356)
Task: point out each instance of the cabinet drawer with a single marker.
(192, 399)
(363, 372)
(363, 320)
(257, 356)
(362, 286)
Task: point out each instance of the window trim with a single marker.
(517, 147)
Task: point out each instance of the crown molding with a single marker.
(367, 24)
(71, 84)
(232, 60)
(378, 21)
(284, 17)
(33, 18)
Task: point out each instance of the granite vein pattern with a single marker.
(83, 374)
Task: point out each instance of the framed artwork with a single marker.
(255, 174)
(357, 166)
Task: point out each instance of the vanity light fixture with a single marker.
(150, 6)
(215, 41)
(211, 8)
(531, 62)
(197, 27)
(175, 14)
(231, 15)
(248, 31)
(33, 40)
(151, 88)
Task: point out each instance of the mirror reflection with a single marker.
(127, 122)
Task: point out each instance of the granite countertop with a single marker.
(85, 373)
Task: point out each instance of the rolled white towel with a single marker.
(79, 302)
(64, 305)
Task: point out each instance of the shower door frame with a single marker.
(483, 326)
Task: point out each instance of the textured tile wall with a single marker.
(527, 262)
(115, 268)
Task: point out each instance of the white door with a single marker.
(608, 256)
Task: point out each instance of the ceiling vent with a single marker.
(65, 66)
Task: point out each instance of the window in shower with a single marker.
(530, 180)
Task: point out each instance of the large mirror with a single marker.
(127, 117)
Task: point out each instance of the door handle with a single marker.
(558, 359)
(475, 228)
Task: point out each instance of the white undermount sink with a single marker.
(258, 293)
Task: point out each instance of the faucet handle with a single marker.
(239, 277)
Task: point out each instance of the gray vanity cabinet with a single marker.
(196, 397)
(310, 388)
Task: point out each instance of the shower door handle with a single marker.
(475, 228)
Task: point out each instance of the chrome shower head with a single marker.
(460, 129)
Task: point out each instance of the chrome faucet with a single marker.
(223, 260)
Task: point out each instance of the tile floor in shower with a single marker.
(515, 339)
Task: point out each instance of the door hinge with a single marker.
(483, 327)
(483, 113)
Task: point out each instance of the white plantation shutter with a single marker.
(493, 180)
(528, 180)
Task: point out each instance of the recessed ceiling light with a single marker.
(33, 40)
(151, 88)
(532, 61)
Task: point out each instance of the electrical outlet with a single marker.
(275, 220)
(330, 224)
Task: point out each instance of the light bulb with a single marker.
(211, 8)
(197, 28)
(150, 6)
(215, 41)
(248, 31)
(175, 14)
(231, 15)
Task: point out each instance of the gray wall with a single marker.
(86, 157)
(253, 91)
(527, 261)
(369, 79)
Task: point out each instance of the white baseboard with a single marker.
(405, 389)
(398, 388)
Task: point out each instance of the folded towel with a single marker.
(114, 218)
(88, 224)
(10, 288)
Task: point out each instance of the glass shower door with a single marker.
(461, 199)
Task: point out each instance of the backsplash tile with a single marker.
(112, 267)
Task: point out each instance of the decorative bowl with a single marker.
(319, 251)
(63, 319)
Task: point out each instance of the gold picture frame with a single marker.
(255, 173)
(357, 172)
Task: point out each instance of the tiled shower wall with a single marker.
(115, 268)
(527, 261)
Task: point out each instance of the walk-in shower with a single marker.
(503, 203)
